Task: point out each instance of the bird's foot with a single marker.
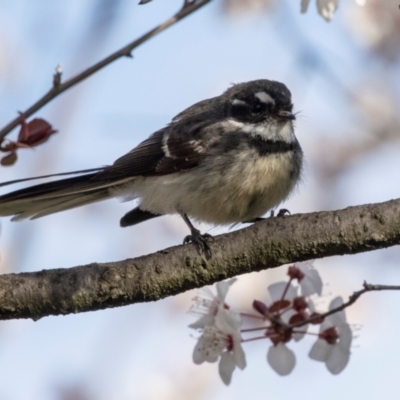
(281, 213)
(200, 241)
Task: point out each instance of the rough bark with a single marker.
(264, 245)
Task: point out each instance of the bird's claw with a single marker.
(200, 241)
(281, 213)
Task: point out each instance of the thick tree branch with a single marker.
(264, 245)
(59, 87)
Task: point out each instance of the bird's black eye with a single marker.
(257, 108)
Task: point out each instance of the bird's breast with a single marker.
(225, 189)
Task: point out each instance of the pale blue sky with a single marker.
(144, 351)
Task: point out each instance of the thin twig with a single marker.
(352, 299)
(260, 328)
(59, 87)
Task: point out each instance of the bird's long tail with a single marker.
(51, 197)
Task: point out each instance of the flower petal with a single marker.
(226, 367)
(281, 359)
(320, 350)
(298, 336)
(336, 302)
(199, 355)
(202, 322)
(228, 321)
(311, 283)
(277, 289)
(305, 266)
(223, 287)
(345, 337)
(337, 360)
(239, 355)
(209, 346)
(338, 318)
(311, 306)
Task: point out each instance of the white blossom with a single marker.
(275, 293)
(207, 303)
(222, 340)
(335, 355)
(281, 359)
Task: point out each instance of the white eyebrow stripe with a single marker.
(236, 102)
(265, 97)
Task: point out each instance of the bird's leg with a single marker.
(200, 240)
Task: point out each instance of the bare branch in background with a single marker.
(264, 245)
(59, 87)
(352, 299)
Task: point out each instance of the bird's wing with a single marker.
(177, 147)
(166, 151)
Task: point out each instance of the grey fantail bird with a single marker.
(225, 160)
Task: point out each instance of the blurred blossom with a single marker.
(379, 125)
(379, 106)
(243, 7)
(73, 392)
(377, 25)
(326, 8)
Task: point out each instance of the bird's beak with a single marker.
(286, 115)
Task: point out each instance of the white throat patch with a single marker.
(268, 131)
